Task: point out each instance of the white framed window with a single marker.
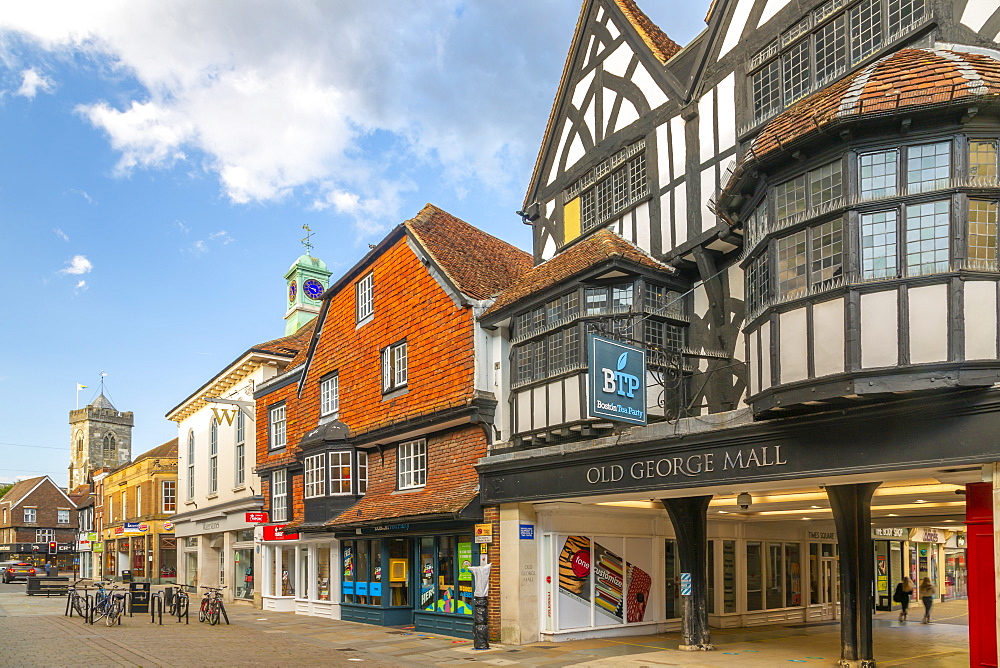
(364, 298)
(241, 448)
(30, 515)
(279, 496)
(213, 457)
(362, 472)
(62, 516)
(340, 472)
(44, 535)
(315, 476)
(412, 464)
(138, 500)
(329, 395)
(394, 366)
(169, 496)
(276, 422)
(190, 465)
(124, 503)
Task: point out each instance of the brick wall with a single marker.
(47, 500)
(491, 515)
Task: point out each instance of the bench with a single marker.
(47, 585)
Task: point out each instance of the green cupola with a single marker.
(305, 283)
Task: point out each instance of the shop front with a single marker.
(278, 558)
(140, 551)
(926, 550)
(85, 554)
(955, 567)
(37, 554)
(890, 563)
(410, 573)
(217, 549)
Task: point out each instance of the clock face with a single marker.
(292, 289)
(312, 288)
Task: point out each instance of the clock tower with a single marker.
(305, 283)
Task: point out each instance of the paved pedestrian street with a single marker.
(34, 632)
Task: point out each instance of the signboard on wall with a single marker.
(256, 517)
(615, 594)
(617, 387)
(276, 532)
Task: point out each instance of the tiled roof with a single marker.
(167, 450)
(600, 247)
(902, 80)
(20, 488)
(479, 264)
(292, 344)
(428, 501)
(662, 46)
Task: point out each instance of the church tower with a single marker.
(305, 282)
(100, 436)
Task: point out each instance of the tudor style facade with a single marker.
(805, 203)
(367, 449)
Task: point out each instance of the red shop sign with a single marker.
(276, 532)
(258, 517)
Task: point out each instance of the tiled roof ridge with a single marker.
(586, 253)
(479, 264)
(274, 345)
(658, 42)
(21, 487)
(168, 449)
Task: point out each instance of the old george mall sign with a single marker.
(617, 381)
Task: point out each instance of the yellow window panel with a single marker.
(571, 220)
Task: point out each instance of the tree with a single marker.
(5, 487)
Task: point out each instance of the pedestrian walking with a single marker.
(902, 595)
(927, 596)
(48, 569)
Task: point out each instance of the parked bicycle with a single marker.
(108, 603)
(75, 600)
(212, 607)
(178, 604)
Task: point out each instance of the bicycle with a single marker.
(75, 601)
(108, 603)
(212, 606)
(178, 604)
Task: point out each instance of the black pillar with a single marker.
(690, 519)
(852, 515)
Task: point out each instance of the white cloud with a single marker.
(221, 236)
(319, 99)
(62, 235)
(81, 286)
(32, 82)
(182, 227)
(79, 264)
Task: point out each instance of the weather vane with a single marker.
(306, 240)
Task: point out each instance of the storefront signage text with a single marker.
(392, 527)
(277, 532)
(617, 381)
(484, 533)
(889, 532)
(208, 526)
(691, 466)
(256, 517)
(822, 535)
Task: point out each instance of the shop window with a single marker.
(362, 572)
(728, 576)
(329, 395)
(928, 167)
(394, 366)
(286, 584)
(276, 424)
(279, 496)
(878, 245)
(399, 572)
(314, 472)
(983, 160)
(169, 496)
(982, 234)
(878, 174)
(927, 235)
(412, 463)
(241, 448)
(364, 298)
(243, 572)
(323, 574)
(775, 594)
(213, 457)
(340, 473)
(190, 464)
(755, 577)
(445, 578)
(222, 568)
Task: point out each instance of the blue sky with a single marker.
(160, 158)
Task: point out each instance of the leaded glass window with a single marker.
(983, 159)
(878, 174)
(797, 78)
(904, 14)
(928, 167)
(927, 237)
(982, 233)
(827, 253)
(766, 85)
(790, 197)
(825, 184)
(878, 244)
(758, 282)
(866, 29)
(792, 264)
(831, 48)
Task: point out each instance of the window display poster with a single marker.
(464, 561)
(611, 598)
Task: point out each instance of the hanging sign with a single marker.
(617, 384)
(256, 517)
(276, 532)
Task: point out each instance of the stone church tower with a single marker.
(100, 436)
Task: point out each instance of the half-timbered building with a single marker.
(794, 217)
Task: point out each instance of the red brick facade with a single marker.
(46, 500)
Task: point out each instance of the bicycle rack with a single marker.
(183, 608)
(156, 605)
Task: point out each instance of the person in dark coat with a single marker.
(904, 591)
